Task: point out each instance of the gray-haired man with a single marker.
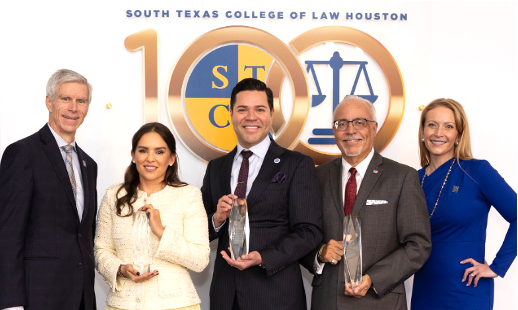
(387, 198)
(47, 208)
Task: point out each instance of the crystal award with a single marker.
(237, 228)
(142, 253)
(352, 251)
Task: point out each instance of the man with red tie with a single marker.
(284, 210)
(390, 204)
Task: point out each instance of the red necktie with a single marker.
(350, 193)
(240, 190)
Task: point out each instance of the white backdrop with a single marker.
(463, 50)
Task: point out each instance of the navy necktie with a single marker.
(240, 190)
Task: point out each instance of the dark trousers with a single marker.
(82, 304)
(235, 306)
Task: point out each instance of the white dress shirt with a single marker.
(361, 169)
(80, 200)
(255, 162)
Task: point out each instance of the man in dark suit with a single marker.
(391, 206)
(48, 203)
(284, 210)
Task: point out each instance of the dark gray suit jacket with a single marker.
(396, 238)
(46, 254)
(285, 212)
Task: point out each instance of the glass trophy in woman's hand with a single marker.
(237, 228)
(142, 253)
(352, 251)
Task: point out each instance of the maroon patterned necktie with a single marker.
(350, 193)
(240, 190)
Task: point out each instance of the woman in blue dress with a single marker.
(459, 193)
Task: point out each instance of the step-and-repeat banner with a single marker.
(177, 62)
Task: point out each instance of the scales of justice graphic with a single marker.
(336, 63)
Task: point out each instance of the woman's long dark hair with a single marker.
(131, 177)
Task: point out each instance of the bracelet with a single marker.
(119, 272)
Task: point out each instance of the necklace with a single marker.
(443, 183)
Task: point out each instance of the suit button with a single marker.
(79, 235)
(80, 265)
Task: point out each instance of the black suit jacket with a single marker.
(46, 254)
(285, 215)
(396, 238)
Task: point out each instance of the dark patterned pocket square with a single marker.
(279, 177)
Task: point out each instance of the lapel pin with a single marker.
(455, 189)
(276, 160)
(375, 171)
(84, 163)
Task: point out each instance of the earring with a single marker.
(170, 165)
(133, 161)
(457, 142)
(422, 139)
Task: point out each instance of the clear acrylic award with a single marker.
(142, 252)
(352, 251)
(237, 229)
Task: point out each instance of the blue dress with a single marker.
(459, 232)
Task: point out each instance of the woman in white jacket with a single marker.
(179, 239)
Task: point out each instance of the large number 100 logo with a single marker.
(337, 59)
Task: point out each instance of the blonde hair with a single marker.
(462, 150)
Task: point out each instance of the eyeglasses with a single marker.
(358, 123)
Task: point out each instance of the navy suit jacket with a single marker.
(285, 214)
(46, 254)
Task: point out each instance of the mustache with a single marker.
(352, 137)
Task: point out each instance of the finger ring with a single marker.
(333, 261)
(471, 274)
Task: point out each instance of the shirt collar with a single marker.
(259, 149)
(361, 168)
(60, 141)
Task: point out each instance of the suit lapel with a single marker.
(335, 180)
(226, 171)
(368, 182)
(266, 173)
(50, 147)
(84, 176)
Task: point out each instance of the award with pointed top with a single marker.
(142, 252)
(237, 228)
(352, 251)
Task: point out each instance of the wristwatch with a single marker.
(119, 272)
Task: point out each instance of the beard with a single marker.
(350, 154)
(353, 154)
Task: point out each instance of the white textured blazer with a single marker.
(184, 245)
